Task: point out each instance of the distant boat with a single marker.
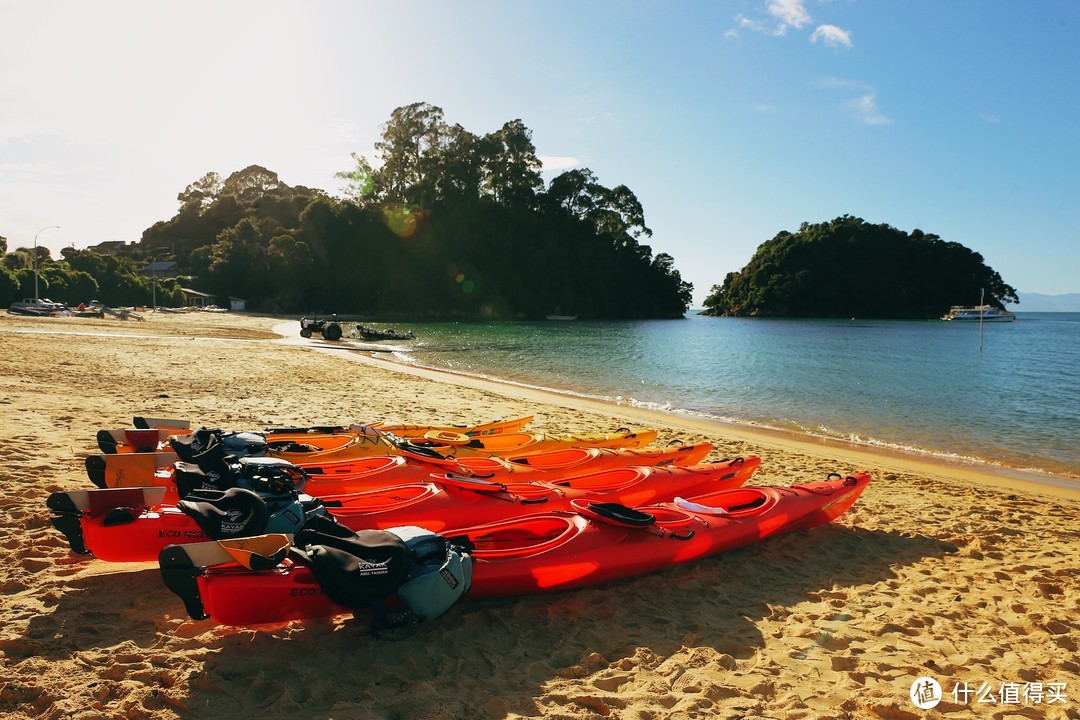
(562, 317)
(978, 313)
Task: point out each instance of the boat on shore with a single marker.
(36, 307)
(135, 524)
(255, 581)
(370, 333)
(978, 313)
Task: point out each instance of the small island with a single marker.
(851, 268)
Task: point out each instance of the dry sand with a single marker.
(941, 571)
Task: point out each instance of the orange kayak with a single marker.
(140, 437)
(371, 472)
(134, 524)
(320, 447)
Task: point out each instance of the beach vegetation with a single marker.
(9, 284)
(848, 267)
(80, 276)
(442, 222)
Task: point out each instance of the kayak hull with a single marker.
(536, 553)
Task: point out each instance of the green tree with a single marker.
(359, 180)
(238, 260)
(81, 287)
(512, 170)
(410, 149)
(202, 193)
(55, 278)
(9, 285)
(459, 166)
(290, 268)
(18, 260)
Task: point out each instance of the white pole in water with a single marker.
(982, 311)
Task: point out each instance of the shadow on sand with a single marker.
(446, 667)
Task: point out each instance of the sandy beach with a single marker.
(962, 574)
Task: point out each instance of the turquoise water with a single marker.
(916, 385)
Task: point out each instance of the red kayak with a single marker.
(543, 552)
(135, 524)
(376, 471)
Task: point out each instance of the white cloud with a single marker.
(832, 36)
(788, 13)
(558, 162)
(864, 104)
(866, 110)
(835, 83)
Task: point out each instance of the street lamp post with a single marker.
(47, 227)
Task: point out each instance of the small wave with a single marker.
(776, 425)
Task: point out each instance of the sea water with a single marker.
(1003, 393)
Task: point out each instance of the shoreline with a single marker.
(893, 459)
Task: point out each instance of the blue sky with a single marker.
(730, 120)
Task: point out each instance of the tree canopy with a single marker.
(443, 222)
(851, 268)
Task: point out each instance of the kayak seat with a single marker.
(236, 512)
(622, 514)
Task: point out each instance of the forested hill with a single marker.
(450, 223)
(850, 268)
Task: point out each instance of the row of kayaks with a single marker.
(283, 524)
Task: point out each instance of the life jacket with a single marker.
(357, 569)
(439, 573)
(240, 512)
(272, 476)
(208, 445)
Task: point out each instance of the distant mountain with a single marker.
(1037, 302)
